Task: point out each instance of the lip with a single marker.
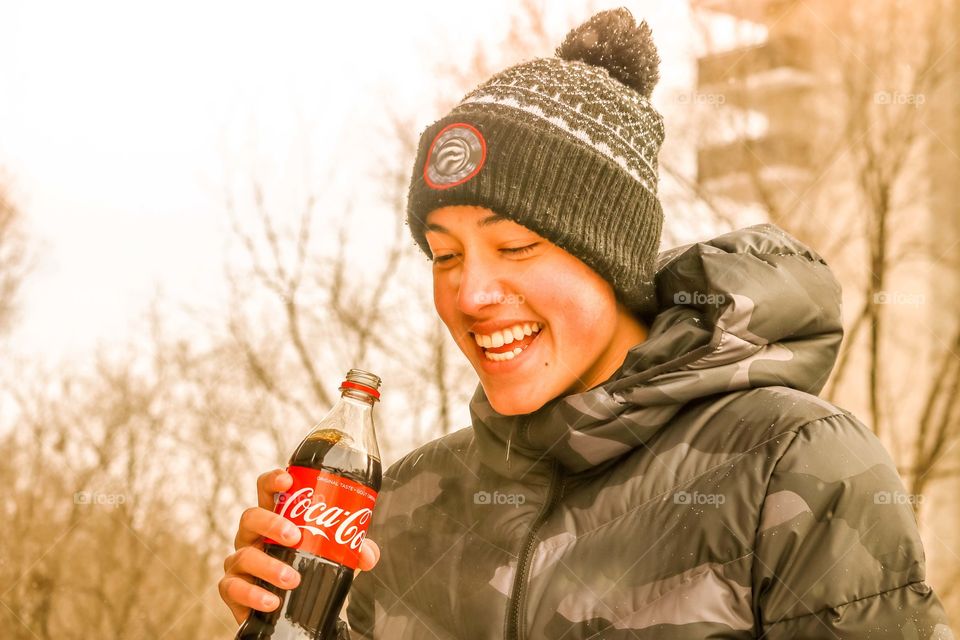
(505, 366)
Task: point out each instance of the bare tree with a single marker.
(353, 318)
(871, 66)
(107, 467)
(14, 261)
(904, 51)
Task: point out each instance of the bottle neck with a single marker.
(353, 416)
(354, 395)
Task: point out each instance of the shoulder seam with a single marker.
(796, 432)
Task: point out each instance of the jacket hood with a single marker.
(748, 309)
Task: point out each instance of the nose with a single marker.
(481, 284)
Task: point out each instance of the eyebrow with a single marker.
(485, 222)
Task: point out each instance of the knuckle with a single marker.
(247, 517)
(227, 589)
(246, 556)
(237, 590)
(268, 478)
(233, 560)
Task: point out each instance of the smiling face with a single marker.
(495, 282)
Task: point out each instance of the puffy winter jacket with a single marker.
(702, 491)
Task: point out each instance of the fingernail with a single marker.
(290, 532)
(270, 601)
(286, 574)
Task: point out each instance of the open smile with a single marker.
(508, 356)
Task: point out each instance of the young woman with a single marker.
(647, 456)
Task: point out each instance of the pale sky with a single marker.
(119, 121)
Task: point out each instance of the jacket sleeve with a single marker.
(838, 553)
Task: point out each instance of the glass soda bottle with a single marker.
(336, 476)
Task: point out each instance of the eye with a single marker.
(521, 250)
(512, 251)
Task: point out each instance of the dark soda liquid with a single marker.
(323, 584)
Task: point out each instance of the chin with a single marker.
(513, 404)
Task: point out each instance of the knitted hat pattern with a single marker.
(565, 146)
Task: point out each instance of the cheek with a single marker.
(443, 299)
(579, 295)
(445, 302)
(582, 321)
(583, 307)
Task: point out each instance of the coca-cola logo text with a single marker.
(317, 516)
(332, 512)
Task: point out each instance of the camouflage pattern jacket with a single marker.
(702, 491)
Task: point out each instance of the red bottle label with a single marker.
(332, 513)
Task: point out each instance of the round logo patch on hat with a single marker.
(456, 154)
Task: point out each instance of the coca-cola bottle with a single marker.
(336, 476)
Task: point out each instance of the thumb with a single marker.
(369, 555)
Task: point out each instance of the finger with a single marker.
(250, 561)
(241, 596)
(239, 611)
(256, 522)
(269, 484)
(369, 555)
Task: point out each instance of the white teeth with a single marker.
(507, 355)
(508, 335)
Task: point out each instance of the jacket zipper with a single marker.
(514, 629)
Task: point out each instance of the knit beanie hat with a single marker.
(565, 146)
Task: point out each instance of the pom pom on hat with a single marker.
(613, 40)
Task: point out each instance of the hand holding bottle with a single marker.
(238, 587)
